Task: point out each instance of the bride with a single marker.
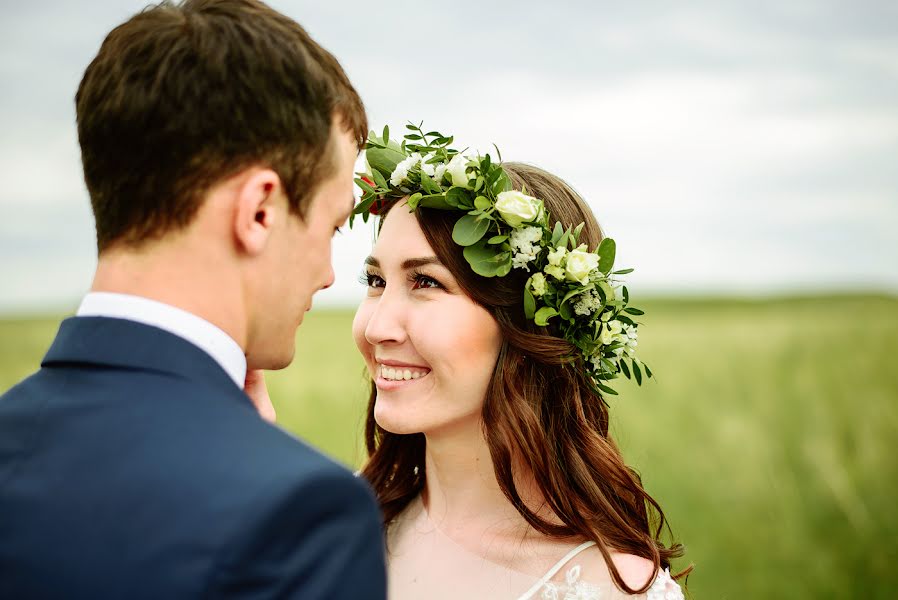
(491, 330)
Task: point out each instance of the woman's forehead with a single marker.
(401, 237)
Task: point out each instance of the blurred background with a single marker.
(743, 155)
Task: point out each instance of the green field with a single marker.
(769, 436)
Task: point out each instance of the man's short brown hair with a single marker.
(182, 96)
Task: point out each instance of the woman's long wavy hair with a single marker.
(539, 411)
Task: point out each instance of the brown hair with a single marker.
(540, 410)
(182, 96)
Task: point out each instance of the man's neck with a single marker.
(183, 277)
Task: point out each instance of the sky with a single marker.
(729, 148)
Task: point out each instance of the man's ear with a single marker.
(260, 203)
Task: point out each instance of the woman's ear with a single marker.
(260, 203)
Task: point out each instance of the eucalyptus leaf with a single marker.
(484, 260)
(497, 239)
(469, 230)
(607, 250)
(482, 203)
(459, 198)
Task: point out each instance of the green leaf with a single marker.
(634, 311)
(607, 250)
(459, 198)
(504, 267)
(557, 232)
(624, 369)
(436, 201)
(566, 312)
(479, 183)
(482, 203)
(414, 199)
(469, 230)
(529, 302)
(543, 315)
(637, 373)
(384, 160)
(386, 134)
(576, 233)
(501, 184)
(484, 260)
(622, 272)
(497, 239)
(648, 371)
(429, 184)
(625, 294)
(365, 186)
(485, 164)
(606, 389)
(379, 179)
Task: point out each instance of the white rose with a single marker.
(516, 207)
(580, 264)
(457, 168)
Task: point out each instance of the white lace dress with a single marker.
(426, 563)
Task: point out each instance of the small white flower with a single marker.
(400, 173)
(605, 316)
(438, 173)
(610, 332)
(517, 208)
(457, 169)
(525, 244)
(556, 256)
(538, 284)
(587, 303)
(555, 271)
(580, 264)
(427, 167)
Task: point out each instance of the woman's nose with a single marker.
(387, 322)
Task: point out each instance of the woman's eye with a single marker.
(425, 282)
(372, 280)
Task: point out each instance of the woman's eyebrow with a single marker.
(408, 264)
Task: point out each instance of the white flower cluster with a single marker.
(614, 332)
(525, 244)
(400, 173)
(587, 303)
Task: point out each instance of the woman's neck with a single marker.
(461, 491)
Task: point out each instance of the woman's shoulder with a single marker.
(636, 572)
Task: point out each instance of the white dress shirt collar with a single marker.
(196, 330)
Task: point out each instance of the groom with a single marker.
(218, 143)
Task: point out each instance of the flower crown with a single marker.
(571, 289)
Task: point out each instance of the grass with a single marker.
(769, 436)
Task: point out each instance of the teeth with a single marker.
(392, 374)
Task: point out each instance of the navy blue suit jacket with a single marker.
(131, 466)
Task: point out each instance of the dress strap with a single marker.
(551, 572)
